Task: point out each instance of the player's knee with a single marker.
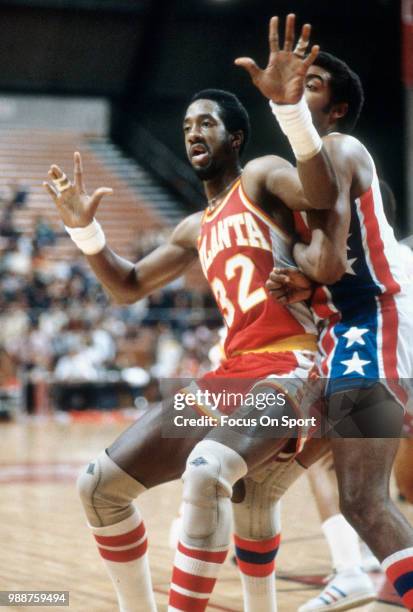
(87, 482)
(106, 492)
(258, 515)
(264, 487)
(211, 471)
(200, 495)
(351, 509)
(363, 508)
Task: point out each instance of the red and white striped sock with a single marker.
(194, 575)
(399, 570)
(256, 563)
(123, 548)
(212, 469)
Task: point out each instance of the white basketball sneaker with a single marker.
(369, 562)
(344, 590)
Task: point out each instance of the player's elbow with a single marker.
(330, 270)
(329, 277)
(123, 298)
(129, 291)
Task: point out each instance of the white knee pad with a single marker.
(258, 515)
(107, 492)
(211, 471)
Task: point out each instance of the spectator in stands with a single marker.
(14, 321)
(8, 368)
(55, 320)
(44, 234)
(18, 195)
(76, 366)
(15, 197)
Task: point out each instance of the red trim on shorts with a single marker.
(328, 344)
(320, 304)
(390, 324)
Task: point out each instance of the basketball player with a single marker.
(364, 349)
(349, 586)
(245, 225)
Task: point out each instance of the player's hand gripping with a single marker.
(283, 80)
(76, 208)
(289, 285)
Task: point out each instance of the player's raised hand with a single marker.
(76, 208)
(289, 285)
(283, 80)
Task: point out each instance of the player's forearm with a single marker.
(117, 275)
(319, 263)
(319, 180)
(316, 172)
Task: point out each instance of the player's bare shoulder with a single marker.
(351, 159)
(187, 231)
(259, 171)
(260, 167)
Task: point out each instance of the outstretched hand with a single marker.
(283, 80)
(289, 285)
(76, 208)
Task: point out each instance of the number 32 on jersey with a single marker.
(246, 298)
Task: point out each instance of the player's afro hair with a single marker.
(345, 86)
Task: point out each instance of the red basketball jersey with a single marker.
(239, 244)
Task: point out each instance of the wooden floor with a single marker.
(45, 543)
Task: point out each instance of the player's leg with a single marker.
(257, 524)
(346, 549)
(363, 467)
(225, 456)
(349, 585)
(212, 469)
(257, 532)
(139, 459)
(403, 469)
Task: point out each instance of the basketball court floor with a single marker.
(45, 544)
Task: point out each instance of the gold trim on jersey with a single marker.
(300, 342)
(263, 216)
(209, 216)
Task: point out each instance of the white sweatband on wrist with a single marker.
(90, 239)
(296, 122)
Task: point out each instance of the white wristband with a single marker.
(296, 122)
(90, 239)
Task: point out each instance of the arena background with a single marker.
(112, 78)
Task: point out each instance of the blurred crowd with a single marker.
(58, 326)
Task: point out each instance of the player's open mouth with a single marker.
(199, 154)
